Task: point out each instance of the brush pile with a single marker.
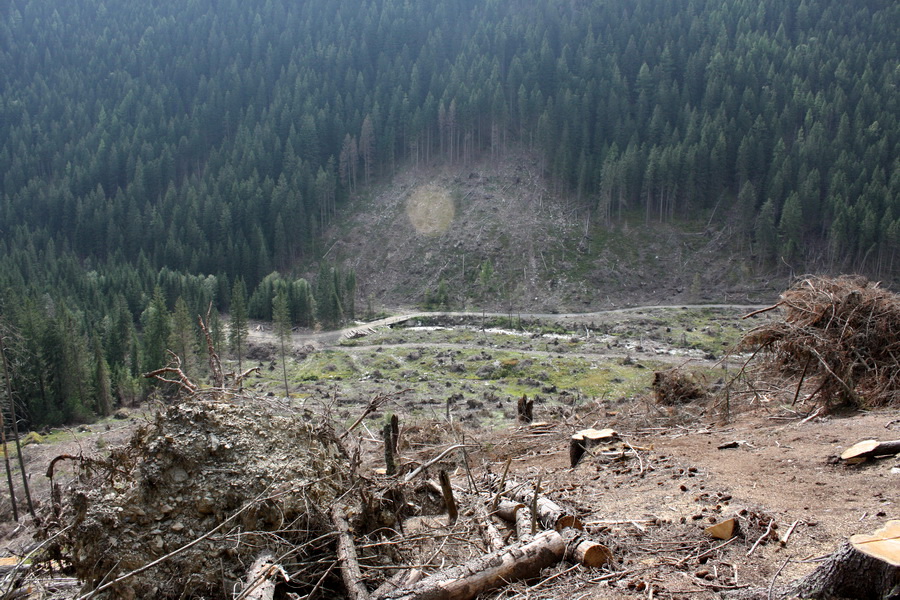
(841, 333)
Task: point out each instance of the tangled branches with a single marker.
(843, 332)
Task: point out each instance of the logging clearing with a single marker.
(229, 494)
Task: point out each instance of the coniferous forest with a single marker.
(160, 157)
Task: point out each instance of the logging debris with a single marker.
(678, 386)
(841, 335)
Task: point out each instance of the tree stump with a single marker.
(586, 438)
(867, 567)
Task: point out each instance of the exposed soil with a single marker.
(648, 496)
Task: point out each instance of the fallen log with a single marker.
(464, 582)
(507, 509)
(549, 513)
(524, 521)
(346, 555)
(262, 579)
(870, 449)
(489, 531)
(401, 580)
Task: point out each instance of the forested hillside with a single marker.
(197, 147)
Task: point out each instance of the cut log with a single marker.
(585, 551)
(725, 530)
(520, 561)
(489, 531)
(586, 438)
(262, 578)
(870, 449)
(401, 580)
(507, 509)
(346, 555)
(550, 514)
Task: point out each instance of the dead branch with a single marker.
(174, 368)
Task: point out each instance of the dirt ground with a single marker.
(648, 496)
(653, 505)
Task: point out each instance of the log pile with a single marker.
(842, 333)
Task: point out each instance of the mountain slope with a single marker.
(507, 242)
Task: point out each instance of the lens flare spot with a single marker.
(430, 209)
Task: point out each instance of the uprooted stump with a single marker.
(838, 333)
(202, 492)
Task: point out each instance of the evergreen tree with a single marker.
(238, 326)
(156, 327)
(282, 323)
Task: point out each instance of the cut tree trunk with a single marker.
(867, 567)
(550, 514)
(524, 521)
(507, 509)
(521, 561)
(870, 449)
(586, 438)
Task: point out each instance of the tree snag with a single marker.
(525, 409)
(447, 493)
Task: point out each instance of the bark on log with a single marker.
(848, 573)
(489, 531)
(871, 449)
(550, 514)
(507, 509)
(346, 555)
(584, 550)
(401, 580)
(521, 561)
(523, 520)
(262, 578)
